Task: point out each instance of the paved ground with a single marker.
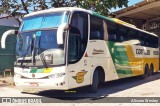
(130, 87)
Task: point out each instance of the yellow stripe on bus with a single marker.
(123, 22)
(47, 70)
(138, 64)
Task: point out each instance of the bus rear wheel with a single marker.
(151, 70)
(146, 71)
(95, 82)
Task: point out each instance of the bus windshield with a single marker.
(39, 41)
(44, 21)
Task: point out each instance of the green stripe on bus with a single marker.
(39, 71)
(120, 59)
(101, 16)
(124, 71)
(33, 71)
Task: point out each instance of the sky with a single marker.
(131, 2)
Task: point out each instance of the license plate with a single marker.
(33, 84)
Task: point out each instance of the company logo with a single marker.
(97, 51)
(33, 75)
(80, 76)
(142, 51)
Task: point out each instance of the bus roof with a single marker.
(58, 9)
(90, 12)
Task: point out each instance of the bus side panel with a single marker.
(120, 58)
(147, 54)
(136, 61)
(79, 72)
(100, 56)
(130, 60)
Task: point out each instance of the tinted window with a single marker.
(153, 41)
(145, 39)
(79, 27)
(112, 31)
(132, 34)
(122, 34)
(80, 21)
(96, 28)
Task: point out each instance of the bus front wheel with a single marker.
(95, 82)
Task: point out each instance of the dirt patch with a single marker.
(6, 81)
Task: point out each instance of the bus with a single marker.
(65, 48)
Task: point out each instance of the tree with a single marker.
(26, 6)
(101, 6)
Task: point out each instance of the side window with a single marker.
(152, 41)
(80, 21)
(112, 31)
(96, 28)
(133, 37)
(74, 48)
(122, 34)
(141, 38)
(132, 34)
(146, 39)
(78, 36)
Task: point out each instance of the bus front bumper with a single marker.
(44, 84)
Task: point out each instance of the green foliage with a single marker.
(26, 6)
(101, 6)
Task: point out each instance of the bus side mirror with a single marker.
(4, 36)
(60, 33)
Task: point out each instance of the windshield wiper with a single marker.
(41, 55)
(28, 47)
(34, 46)
(25, 56)
(43, 60)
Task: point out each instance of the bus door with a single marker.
(78, 60)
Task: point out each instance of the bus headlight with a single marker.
(17, 75)
(57, 75)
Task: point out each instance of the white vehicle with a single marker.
(65, 48)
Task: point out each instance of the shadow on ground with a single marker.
(104, 90)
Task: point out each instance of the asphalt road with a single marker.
(108, 92)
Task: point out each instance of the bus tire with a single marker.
(95, 82)
(151, 70)
(146, 71)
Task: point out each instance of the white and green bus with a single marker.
(65, 48)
